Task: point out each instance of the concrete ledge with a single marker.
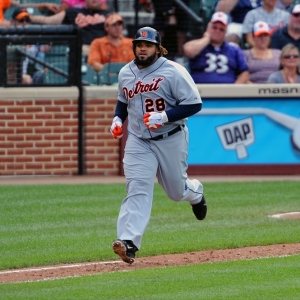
(101, 92)
(41, 93)
(249, 90)
(215, 91)
(111, 92)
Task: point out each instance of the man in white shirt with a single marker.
(276, 18)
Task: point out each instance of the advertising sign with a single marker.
(245, 131)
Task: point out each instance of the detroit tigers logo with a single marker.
(141, 88)
(144, 33)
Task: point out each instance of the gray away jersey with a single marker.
(159, 87)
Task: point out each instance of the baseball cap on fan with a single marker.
(219, 17)
(260, 28)
(21, 14)
(296, 9)
(113, 18)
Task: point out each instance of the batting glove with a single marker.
(154, 120)
(116, 128)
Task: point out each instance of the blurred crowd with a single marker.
(245, 41)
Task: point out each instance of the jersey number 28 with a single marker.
(155, 105)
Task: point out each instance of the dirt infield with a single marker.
(72, 270)
(81, 269)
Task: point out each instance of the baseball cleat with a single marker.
(200, 209)
(125, 249)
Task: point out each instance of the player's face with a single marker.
(146, 53)
(217, 32)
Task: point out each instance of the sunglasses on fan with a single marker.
(291, 56)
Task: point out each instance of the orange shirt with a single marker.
(4, 4)
(102, 51)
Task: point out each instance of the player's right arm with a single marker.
(118, 120)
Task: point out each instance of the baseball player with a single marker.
(157, 95)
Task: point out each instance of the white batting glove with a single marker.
(154, 120)
(116, 128)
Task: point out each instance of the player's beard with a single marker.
(145, 62)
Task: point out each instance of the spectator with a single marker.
(32, 72)
(269, 13)
(79, 3)
(284, 4)
(169, 14)
(237, 10)
(111, 48)
(212, 60)
(289, 66)
(5, 4)
(90, 18)
(261, 60)
(290, 34)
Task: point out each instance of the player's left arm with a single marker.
(186, 96)
(154, 120)
(183, 111)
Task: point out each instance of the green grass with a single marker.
(270, 278)
(41, 225)
(51, 224)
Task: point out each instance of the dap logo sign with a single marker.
(236, 136)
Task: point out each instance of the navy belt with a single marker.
(162, 136)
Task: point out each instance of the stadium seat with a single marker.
(89, 76)
(57, 53)
(51, 77)
(109, 74)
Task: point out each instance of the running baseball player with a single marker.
(157, 95)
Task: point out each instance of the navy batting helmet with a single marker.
(147, 34)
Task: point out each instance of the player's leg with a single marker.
(140, 167)
(172, 172)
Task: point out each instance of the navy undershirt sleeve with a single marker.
(183, 111)
(121, 111)
(177, 113)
